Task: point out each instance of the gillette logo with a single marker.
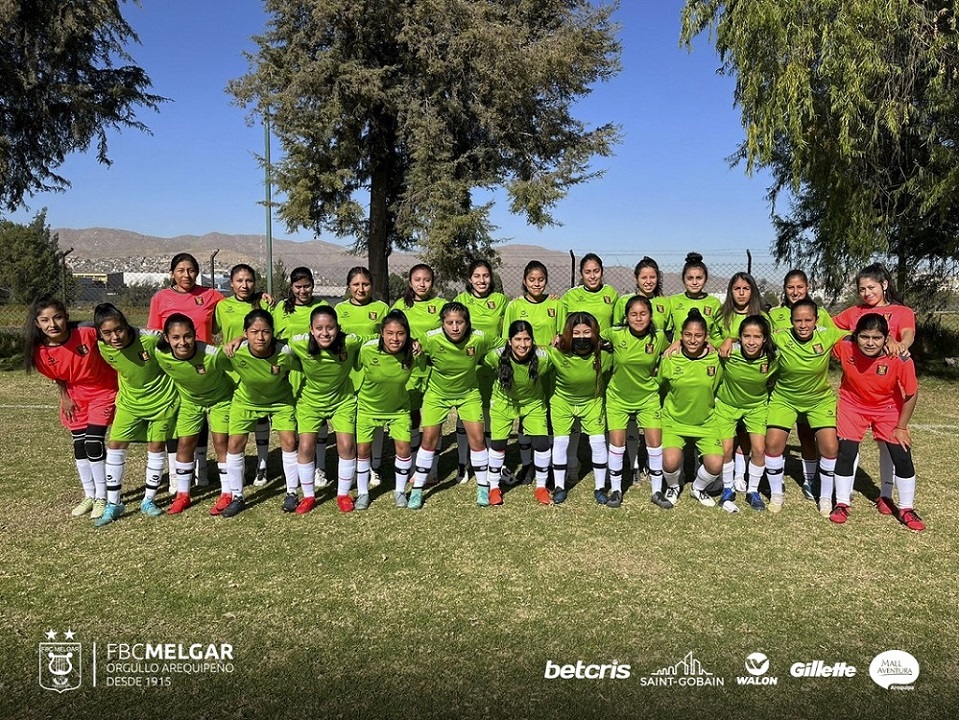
(584, 671)
(819, 669)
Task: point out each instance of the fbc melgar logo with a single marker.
(894, 670)
(61, 663)
(586, 671)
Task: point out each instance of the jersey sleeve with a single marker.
(153, 319)
(844, 319)
(907, 378)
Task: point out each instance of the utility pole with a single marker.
(213, 268)
(268, 181)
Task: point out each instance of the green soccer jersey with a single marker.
(286, 325)
(635, 361)
(575, 375)
(660, 311)
(327, 374)
(144, 387)
(201, 379)
(486, 313)
(691, 388)
(229, 315)
(543, 316)
(383, 388)
(361, 320)
(523, 390)
(600, 304)
(781, 319)
(422, 315)
(264, 381)
(745, 381)
(804, 366)
(680, 305)
(454, 364)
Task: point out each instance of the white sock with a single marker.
(402, 468)
(321, 437)
(115, 465)
(541, 460)
(907, 491)
(480, 462)
(424, 461)
(262, 436)
(345, 468)
(843, 488)
(729, 473)
(774, 473)
(703, 479)
(154, 472)
(755, 475)
(171, 465)
(224, 478)
(98, 470)
(597, 444)
(827, 472)
(234, 471)
(184, 477)
(560, 446)
(616, 453)
(739, 468)
(304, 472)
(362, 478)
(86, 477)
(496, 460)
(887, 471)
(289, 471)
(808, 470)
(654, 463)
(672, 478)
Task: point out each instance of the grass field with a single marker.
(455, 611)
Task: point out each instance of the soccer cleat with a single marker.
(180, 503)
(111, 513)
(374, 478)
(672, 494)
(462, 475)
(601, 497)
(807, 490)
(236, 506)
(542, 496)
(755, 501)
(85, 506)
(416, 499)
(221, 504)
(344, 503)
(739, 484)
(362, 502)
(319, 479)
(702, 496)
(495, 496)
(482, 495)
(98, 507)
(399, 499)
(776, 501)
(825, 507)
(840, 513)
(559, 496)
(886, 506)
(290, 502)
(659, 500)
(306, 504)
(615, 499)
(261, 478)
(149, 508)
(910, 518)
(727, 501)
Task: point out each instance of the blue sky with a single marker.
(667, 190)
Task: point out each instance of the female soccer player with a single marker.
(486, 308)
(199, 372)
(327, 356)
(382, 399)
(228, 317)
(695, 275)
(592, 295)
(649, 284)
(633, 391)
(580, 370)
(690, 378)
(361, 315)
(68, 355)
(263, 364)
(802, 391)
(878, 392)
(743, 398)
(454, 352)
(147, 404)
(518, 394)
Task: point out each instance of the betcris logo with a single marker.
(585, 671)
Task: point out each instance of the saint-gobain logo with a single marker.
(61, 664)
(894, 669)
(757, 664)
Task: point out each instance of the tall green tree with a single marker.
(852, 105)
(30, 262)
(393, 113)
(65, 79)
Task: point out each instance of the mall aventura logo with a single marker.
(61, 663)
(688, 672)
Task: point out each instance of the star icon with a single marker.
(68, 635)
(51, 635)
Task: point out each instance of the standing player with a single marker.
(147, 404)
(633, 392)
(878, 392)
(695, 275)
(592, 295)
(68, 355)
(649, 284)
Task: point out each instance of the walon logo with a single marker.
(61, 666)
(757, 665)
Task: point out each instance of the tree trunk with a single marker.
(378, 242)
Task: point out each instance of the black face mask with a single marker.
(582, 345)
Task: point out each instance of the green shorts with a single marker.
(708, 442)
(592, 416)
(129, 426)
(503, 414)
(190, 418)
(397, 425)
(244, 418)
(436, 407)
(648, 413)
(783, 414)
(342, 416)
(726, 417)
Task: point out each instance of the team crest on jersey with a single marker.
(551, 312)
(707, 311)
(275, 369)
(83, 349)
(198, 300)
(200, 369)
(711, 370)
(343, 356)
(764, 368)
(818, 349)
(373, 314)
(144, 356)
(650, 348)
(882, 369)
(660, 308)
(607, 299)
(431, 309)
(471, 351)
(491, 304)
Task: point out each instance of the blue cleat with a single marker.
(111, 513)
(755, 501)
